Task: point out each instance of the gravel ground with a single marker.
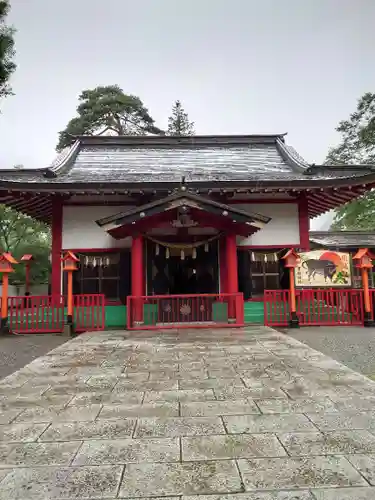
(352, 346)
(18, 350)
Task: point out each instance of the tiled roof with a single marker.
(343, 239)
(162, 159)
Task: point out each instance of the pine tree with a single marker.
(7, 65)
(178, 122)
(108, 111)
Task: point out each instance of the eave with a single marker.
(206, 211)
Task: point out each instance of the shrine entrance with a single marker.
(182, 269)
(180, 273)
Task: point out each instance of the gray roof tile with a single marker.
(343, 239)
(158, 160)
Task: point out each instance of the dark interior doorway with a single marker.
(195, 273)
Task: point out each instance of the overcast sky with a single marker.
(238, 66)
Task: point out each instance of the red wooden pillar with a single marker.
(56, 230)
(223, 266)
(232, 276)
(137, 278)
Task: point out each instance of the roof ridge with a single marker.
(63, 159)
(291, 157)
(175, 140)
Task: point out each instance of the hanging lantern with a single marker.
(182, 255)
(157, 249)
(206, 247)
(194, 254)
(167, 253)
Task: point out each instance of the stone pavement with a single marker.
(245, 414)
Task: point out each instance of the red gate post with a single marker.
(6, 262)
(291, 258)
(364, 258)
(69, 261)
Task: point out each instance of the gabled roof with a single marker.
(95, 160)
(221, 165)
(343, 239)
(239, 221)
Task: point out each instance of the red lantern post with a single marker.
(6, 267)
(27, 258)
(364, 261)
(69, 261)
(291, 260)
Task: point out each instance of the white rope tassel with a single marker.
(86, 261)
(167, 253)
(206, 247)
(265, 257)
(157, 249)
(94, 262)
(182, 255)
(252, 256)
(194, 255)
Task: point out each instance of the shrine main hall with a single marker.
(165, 216)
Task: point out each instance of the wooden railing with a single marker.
(182, 311)
(47, 313)
(315, 307)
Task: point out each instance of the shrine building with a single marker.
(179, 216)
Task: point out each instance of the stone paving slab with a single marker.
(287, 473)
(345, 494)
(33, 454)
(284, 495)
(328, 443)
(227, 447)
(186, 478)
(179, 426)
(239, 424)
(54, 483)
(128, 451)
(212, 408)
(242, 414)
(76, 431)
(17, 433)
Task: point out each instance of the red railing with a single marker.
(36, 314)
(47, 313)
(88, 312)
(276, 307)
(184, 311)
(330, 307)
(315, 307)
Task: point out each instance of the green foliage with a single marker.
(7, 66)
(357, 147)
(20, 235)
(107, 110)
(178, 122)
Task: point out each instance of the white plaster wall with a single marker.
(81, 231)
(283, 228)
